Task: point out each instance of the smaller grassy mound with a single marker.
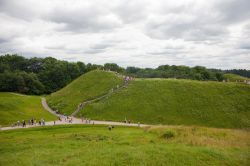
(14, 107)
(86, 87)
(235, 77)
(95, 145)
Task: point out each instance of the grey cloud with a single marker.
(203, 25)
(131, 11)
(101, 46)
(58, 47)
(19, 9)
(84, 20)
(169, 51)
(233, 11)
(94, 51)
(195, 30)
(245, 46)
(3, 40)
(211, 33)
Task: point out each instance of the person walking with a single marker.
(24, 123)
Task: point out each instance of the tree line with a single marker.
(47, 75)
(38, 75)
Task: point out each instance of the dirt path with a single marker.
(75, 120)
(78, 121)
(81, 105)
(64, 120)
(46, 106)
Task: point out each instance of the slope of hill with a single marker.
(169, 101)
(235, 77)
(88, 86)
(14, 107)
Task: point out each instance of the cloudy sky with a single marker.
(143, 33)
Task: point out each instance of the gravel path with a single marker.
(64, 120)
(81, 105)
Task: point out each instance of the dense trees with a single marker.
(179, 72)
(46, 75)
(20, 82)
(38, 75)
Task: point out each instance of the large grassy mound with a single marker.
(95, 145)
(14, 107)
(169, 101)
(88, 86)
(235, 77)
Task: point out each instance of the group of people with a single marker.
(66, 119)
(128, 122)
(127, 79)
(88, 121)
(31, 122)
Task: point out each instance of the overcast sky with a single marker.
(143, 33)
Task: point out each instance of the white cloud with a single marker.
(140, 33)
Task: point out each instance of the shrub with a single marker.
(168, 135)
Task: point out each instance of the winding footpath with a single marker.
(75, 120)
(65, 121)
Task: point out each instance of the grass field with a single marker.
(95, 145)
(170, 101)
(235, 77)
(14, 107)
(88, 86)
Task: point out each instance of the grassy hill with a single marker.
(88, 86)
(235, 77)
(170, 101)
(95, 145)
(14, 107)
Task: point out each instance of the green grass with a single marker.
(235, 77)
(88, 86)
(170, 101)
(14, 107)
(95, 145)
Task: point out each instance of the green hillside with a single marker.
(170, 101)
(124, 146)
(14, 107)
(235, 77)
(88, 86)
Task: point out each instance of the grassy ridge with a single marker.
(235, 77)
(95, 145)
(86, 87)
(169, 101)
(14, 107)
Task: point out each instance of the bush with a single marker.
(168, 135)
